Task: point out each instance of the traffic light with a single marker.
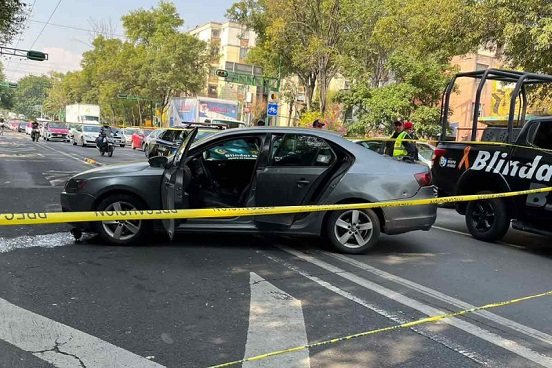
(36, 55)
(221, 73)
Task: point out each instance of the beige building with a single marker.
(231, 42)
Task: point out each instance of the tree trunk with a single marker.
(310, 84)
(323, 88)
(290, 112)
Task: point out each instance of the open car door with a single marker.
(176, 178)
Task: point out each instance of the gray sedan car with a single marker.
(260, 167)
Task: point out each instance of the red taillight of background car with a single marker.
(424, 179)
(437, 154)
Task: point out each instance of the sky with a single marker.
(66, 45)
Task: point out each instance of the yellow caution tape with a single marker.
(483, 143)
(421, 321)
(69, 217)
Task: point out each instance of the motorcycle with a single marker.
(105, 145)
(35, 134)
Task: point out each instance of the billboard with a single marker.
(191, 110)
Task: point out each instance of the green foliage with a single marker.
(522, 30)
(12, 18)
(30, 94)
(6, 93)
(426, 121)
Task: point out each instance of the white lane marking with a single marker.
(526, 330)
(65, 154)
(398, 319)
(43, 241)
(61, 345)
(469, 235)
(470, 328)
(275, 322)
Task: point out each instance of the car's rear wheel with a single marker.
(123, 232)
(487, 220)
(353, 231)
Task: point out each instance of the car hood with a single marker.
(114, 170)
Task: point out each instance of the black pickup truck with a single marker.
(513, 157)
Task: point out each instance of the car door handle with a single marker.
(302, 183)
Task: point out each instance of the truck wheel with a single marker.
(353, 231)
(487, 220)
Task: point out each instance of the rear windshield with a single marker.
(57, 125)
(131, 131)
(91, 128)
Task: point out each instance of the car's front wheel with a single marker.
(122, 232)
(353, 231)
(487, 220)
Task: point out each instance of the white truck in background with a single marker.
(82, 114)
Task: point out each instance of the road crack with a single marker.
(56, 349)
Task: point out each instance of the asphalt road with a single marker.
(208, 299)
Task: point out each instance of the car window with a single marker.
(301, 150)
(204, 133)
(57, 125)
(93, 128)
(542, 137)
(235, 149)
(172, 135)
(425, 151)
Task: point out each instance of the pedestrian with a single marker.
(2, 126)
(260, 122)
(317, 124)
(398, 128)
(404, 146)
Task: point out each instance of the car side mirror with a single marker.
(158, 161)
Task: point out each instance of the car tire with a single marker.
(73, 141)
(487, 220)
(82, 142)
(123, 232)
(353, 231)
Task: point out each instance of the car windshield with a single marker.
(57, 125)
(131, 131)
(204, 133)
(91, 128)
(146, 132)
(425, 151)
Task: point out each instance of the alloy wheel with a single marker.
(121, 230)
(353, 229)
(483, 216)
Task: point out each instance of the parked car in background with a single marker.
(138, 137)
(300, 166)
(168, 141)
(20, 127)
(85, 135)
(128, 132)
(425, 150)
(118, 137)
(29, 128)
(53, 130)
(151, 138)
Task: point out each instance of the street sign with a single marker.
(272, 109)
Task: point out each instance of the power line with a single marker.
(78, 29)
(45, 24)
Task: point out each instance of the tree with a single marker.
(295, 38)
(12, 18)
(6, 93)
(30, 94)
(521, 30)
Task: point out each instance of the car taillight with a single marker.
(438, 153)
(423, 179)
